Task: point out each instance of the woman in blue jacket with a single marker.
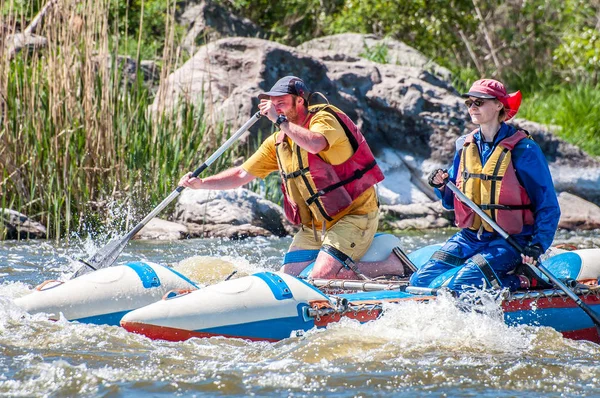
(503, 170)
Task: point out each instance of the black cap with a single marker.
(287, 85)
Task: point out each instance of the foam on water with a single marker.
(413, 349)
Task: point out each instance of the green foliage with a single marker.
(575, 109)
(377, 53)
(579, 54)
(27, 8)
(147, 20)
(92, 140)
(424, 24)
(289, 21)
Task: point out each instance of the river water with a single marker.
(432, 350)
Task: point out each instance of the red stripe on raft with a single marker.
(553, 302)
(590, 334)
(362, 316)
(155, 332)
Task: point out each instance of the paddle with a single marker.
(106, 256)
(463, 198)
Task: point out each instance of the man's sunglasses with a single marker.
(478, 103)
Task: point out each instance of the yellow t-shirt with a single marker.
(264, 161)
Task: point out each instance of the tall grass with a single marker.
(575, 109)
(77, 136)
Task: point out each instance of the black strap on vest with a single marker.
(308, 186)
(296, 173)
(349, 134)
(506, 207)
(486, 270)
(485, 177)
(357, 174)
(447, 258)
(495, 183)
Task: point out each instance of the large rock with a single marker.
(158, 229)
(407, 107)
(226, 231)
(360, 45)
(15, 225)
(234, 213)
(577, 213)
(417, 216)
(208, 21)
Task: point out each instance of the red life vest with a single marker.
(493, 187)
(310, 183)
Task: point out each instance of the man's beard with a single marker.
(292, 115)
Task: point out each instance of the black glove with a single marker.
(534, 251)
(432, 175)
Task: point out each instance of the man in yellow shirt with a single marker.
(328, 176)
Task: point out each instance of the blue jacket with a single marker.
(533, 174)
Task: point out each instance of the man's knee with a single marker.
(329, 262)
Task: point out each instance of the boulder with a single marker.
(416, 216)
(158, 229)
(388, 51)
(577, 213)
(234, 213)
(15, 225)
(226, 231)
(407, 106)
(208, 21)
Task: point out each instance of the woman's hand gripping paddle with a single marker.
(463, 198)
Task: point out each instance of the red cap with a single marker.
(489, 88)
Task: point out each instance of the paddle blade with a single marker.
(103, 258)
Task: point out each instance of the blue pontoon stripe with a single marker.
(562, 319)
(112, 319)
(280, 289)
(275, 329)
(377, 295)
(300, 256)
(564, 266)
(146, 273)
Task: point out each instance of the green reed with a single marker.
(77, 139)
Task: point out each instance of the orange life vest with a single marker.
(493, 187)
(311, 185)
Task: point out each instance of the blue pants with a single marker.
(484, 262)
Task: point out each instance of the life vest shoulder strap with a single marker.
(327, 108)
(470, 138)
(510, 142)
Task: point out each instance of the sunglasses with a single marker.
(478, 103)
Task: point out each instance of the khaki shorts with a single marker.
(352, 235)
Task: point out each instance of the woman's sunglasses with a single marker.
(478, 103)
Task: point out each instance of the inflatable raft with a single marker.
(273, 306)
(105, 295)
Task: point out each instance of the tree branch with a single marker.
(32, 27)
